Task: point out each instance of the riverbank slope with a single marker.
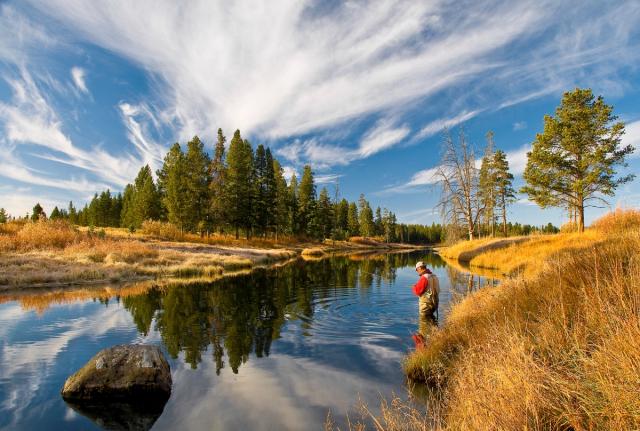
(555, 346)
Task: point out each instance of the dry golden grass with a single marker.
(464, 251)
(313, 252)
(167, 231)
(558, 349)
(397, 415)
(54, 252)
(527, 255)
(620, 220)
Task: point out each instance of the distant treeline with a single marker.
(240, 191)
(244, 191)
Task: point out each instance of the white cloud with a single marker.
(327, 179)
(151, 153)
(632, 136)
(444, 123)
(29, 120)
(519, 125)
(417, 216)
(384, 135)
(288, 172)
(518, 159)
(424, 177)
(20, 36)
(18, 204)
(301, 67)
(78, 76)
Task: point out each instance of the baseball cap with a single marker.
(420, 264)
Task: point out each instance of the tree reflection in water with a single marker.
(242, 315)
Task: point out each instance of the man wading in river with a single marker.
(428, 291)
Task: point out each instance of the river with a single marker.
(273, 349)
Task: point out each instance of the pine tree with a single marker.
(116, 210)
(127, 215)
(388, 225)
(366, 217)
(307, 203)
(3, 215)
(293, 205)
(353, 220)
(55, 213)
(73, 214)
(342, 217)
(197, 183)
(571, 163)
(146, 203)
(505, 194)
(270, 191)
(38, 212)
(239, 190)
(282, 199)
(218, 174)
(377, 222)
(173, 177)
(325, 216)
(260, 209)
(487, 184)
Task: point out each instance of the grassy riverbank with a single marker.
(557, 347)
(55, 253)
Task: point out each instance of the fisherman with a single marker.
(428, 290)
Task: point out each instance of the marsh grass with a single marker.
(54, 252)
(557, 348)
(395, 415)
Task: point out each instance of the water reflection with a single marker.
(241, 316)
(463, 282)
(334, 329)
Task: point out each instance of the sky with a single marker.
(362, 91)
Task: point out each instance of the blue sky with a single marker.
(91, 91)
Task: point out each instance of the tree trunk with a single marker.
(581, 217)
(237, 232)
(504, 217)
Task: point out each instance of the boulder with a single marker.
(121, 373)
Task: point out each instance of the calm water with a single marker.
(275, 349)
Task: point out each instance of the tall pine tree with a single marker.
(197, 187)
(572, 162)
(172, 177)
(239, 189)
(504, 186)
(218, 174)
(307, 203)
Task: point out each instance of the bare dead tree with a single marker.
(458, 179)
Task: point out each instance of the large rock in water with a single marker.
(121, 373)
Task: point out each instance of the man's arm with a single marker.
(420, 286)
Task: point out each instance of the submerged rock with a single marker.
(122, 373)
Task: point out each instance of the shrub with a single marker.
(161, 230)
(46, 234)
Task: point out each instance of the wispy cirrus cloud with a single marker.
(382, 136)
(300, 63)
(78, 77)
(29, 121)
(437, 126)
